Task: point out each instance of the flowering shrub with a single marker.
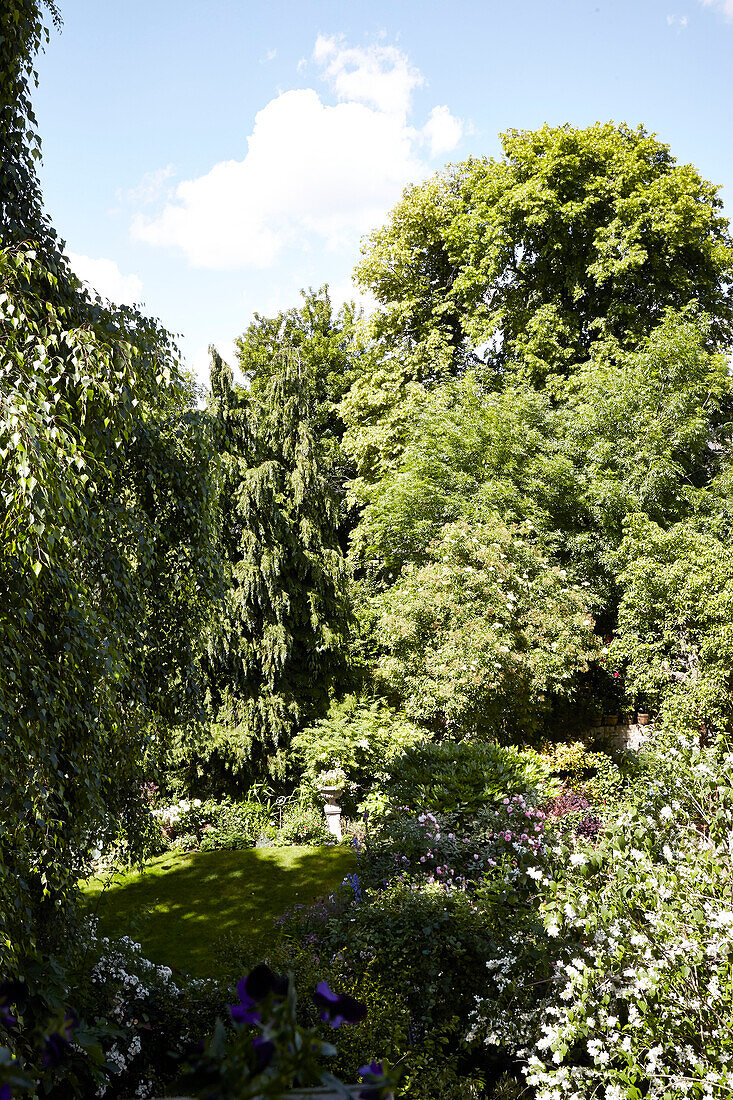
(460, 777)
(570, 811)
(332, 777)
(427, 848)
(240, 1065)
(303, 825)
(638, 936)
(233, 1065)
(191, 823)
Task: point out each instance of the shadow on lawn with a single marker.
(183, 903)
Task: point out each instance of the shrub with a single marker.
(303, 824)
(641, 1004)
(359, 736)
(213, 825)
(459, 777)
(502, 842)
(427, 946)
(600, 777)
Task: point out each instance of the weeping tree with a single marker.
(276, 642)
(107, 503)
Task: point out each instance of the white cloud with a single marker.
(677, 20)
(443, 131)
(315, 176)
(151, 186)
(726, 6)
(105, 277)
(380, 76)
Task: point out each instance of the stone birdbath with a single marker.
(330, 785)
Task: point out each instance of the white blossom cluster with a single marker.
(641, 938)
(169, 815)
(125, 981)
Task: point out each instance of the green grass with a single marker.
(182, 902)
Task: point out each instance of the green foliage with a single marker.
(675, 638)
(460, 777)
(571, 236)
(596, 775)
(478, 638)
(360, 736)
(215, 824)
(429, 947)
(276, 641)
(623, 435)
(328, 348)
(303, 824)
(106, 569)
(466, 454)
(107, 561)
(22, 34)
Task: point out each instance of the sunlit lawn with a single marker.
(183, 902)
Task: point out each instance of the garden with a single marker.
(421, 571)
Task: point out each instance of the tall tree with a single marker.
(22, 33)
(522, 263)
(275, 643)
(106, 506)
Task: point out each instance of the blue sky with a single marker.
(209, 159)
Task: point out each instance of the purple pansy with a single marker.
(5, 1093)
(259, 983)
(374, 1069)
(10, 994)
(264, 1052)
(57, 1043)
(338, 1008)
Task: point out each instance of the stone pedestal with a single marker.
(332, 810)
(333, 820)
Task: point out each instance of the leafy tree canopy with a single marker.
(106, 557)
(477, 639)
(522, 263)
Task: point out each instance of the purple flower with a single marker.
(54, 1050)
(5, 1093)
(337, 1008)
(264, 1051)
(10, 994)
(259, 983)
(57, 1043)
(373, 1071)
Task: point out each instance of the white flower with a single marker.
(577, 859)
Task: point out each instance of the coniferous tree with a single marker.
(275, 641)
